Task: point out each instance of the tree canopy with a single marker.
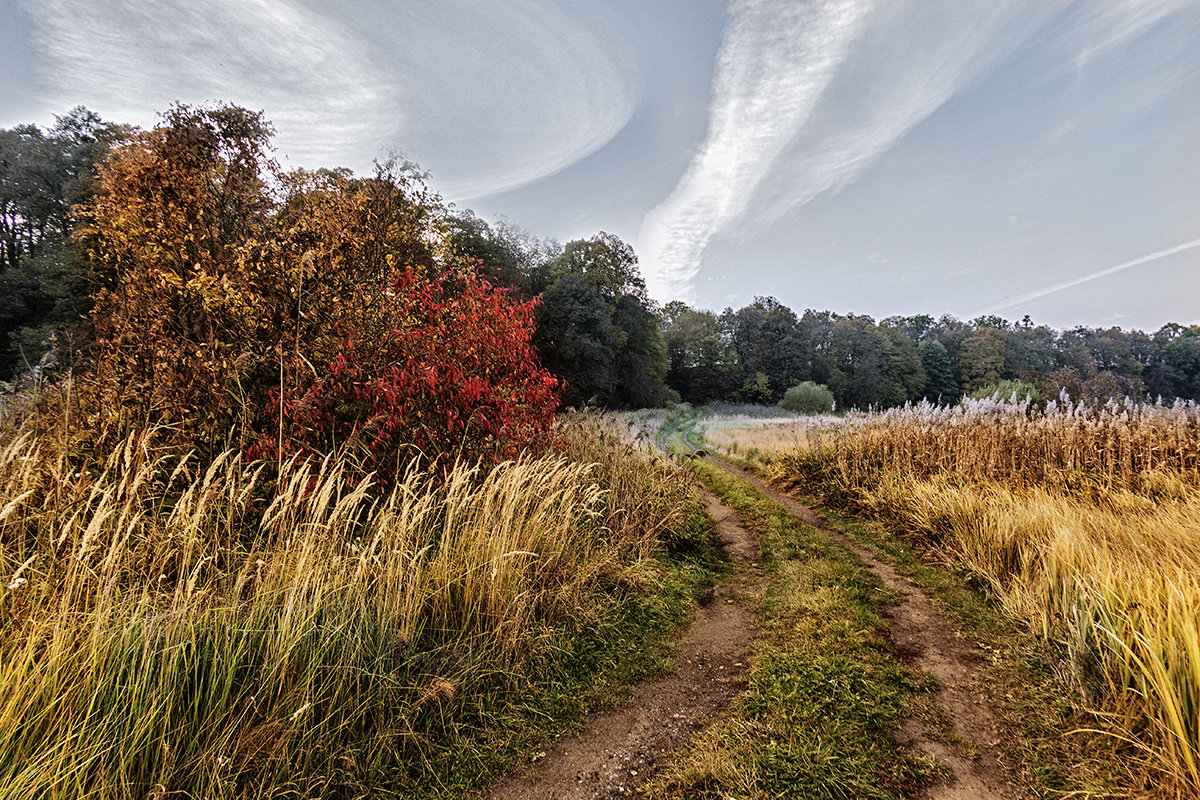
(292, 312)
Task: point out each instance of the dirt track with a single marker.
(616, 751)
(926, 640)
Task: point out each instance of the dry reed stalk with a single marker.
(1082, 520)
(170, 629)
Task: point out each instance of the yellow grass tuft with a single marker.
(219, 631)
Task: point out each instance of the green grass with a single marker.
(825, 694)
(594, 672)
(1047, 720)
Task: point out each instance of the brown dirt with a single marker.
(927, 641)
(618, 750)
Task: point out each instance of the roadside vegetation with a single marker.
(825, 694)
(289, 505)
(171, 629)
(1079, 520)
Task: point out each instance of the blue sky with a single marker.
(1036, 157)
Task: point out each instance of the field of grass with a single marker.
(1084, 523)
(227, 631)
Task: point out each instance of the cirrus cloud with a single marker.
(488, 96)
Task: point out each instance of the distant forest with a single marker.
(596, 328)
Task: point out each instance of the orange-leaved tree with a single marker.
(290, 313)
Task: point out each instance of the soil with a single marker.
(618, 750)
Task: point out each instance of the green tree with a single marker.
(596, 329)
(872, 366)
(982, 359)
(575, 337)
(808, 398)
(940, 386)
(756, 389)
(768, 339)
(640, 366)
(44, 288)
(700, 365)
(605, 262)
(1180, 350)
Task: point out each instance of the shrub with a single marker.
(289, 313)
(808, 398)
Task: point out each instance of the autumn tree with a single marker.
(290, 313)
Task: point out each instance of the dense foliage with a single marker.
(755, 353)
(807, 397)
(290, 313)
(43, 288)
(221, 216)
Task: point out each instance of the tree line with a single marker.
(598, 331)
(594, 326)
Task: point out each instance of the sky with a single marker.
(963, 157)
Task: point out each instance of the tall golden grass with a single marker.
(1085, 521)
(227, 632)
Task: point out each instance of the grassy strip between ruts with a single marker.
(824, 694)
(1050, 725)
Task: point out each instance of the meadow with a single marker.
(1082, 521)
(234, 629)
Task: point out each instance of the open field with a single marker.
(1084, 523)
(228, 632)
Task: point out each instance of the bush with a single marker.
(808, 398)
(291, 313)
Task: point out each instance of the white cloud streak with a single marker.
(808, 96)
(487, 95)
(775, 62)
(1038, 294)
(506, 92)
(127, 58)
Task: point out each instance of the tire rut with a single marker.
(618, 750)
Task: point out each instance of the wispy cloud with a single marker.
(1038, 294)
(775, 62)
(128, 58)
(808, 96)
(488, 96)
(506, 92)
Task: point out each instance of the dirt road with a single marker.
(616, 751)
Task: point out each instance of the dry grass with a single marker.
(1085, 522)
(173, 631)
